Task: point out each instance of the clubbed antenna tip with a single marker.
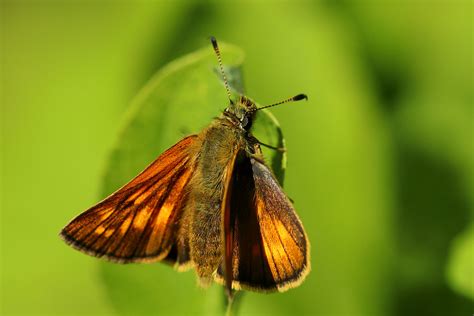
(300, 96)
(214, 42)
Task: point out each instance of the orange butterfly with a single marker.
(208, 202)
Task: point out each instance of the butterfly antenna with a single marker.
(298, 97)
(219, 59)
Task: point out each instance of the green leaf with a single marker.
(267, 130)
(460, 272)
(180, 99)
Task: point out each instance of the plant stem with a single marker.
(232, 303)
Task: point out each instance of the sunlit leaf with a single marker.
(460, 271)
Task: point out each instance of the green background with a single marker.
(380, 159)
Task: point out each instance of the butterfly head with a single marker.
(241, 112)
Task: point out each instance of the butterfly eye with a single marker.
(244, 121)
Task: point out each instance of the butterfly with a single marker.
(209, 203)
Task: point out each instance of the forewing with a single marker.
(137, 223)
(271, 250)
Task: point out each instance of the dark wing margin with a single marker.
(270, 247)
(137, 223)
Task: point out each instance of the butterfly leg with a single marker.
(280, 149)
(254, 140)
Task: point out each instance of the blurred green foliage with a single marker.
(380, 160)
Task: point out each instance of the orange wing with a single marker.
(270, 247)
(138, 222)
